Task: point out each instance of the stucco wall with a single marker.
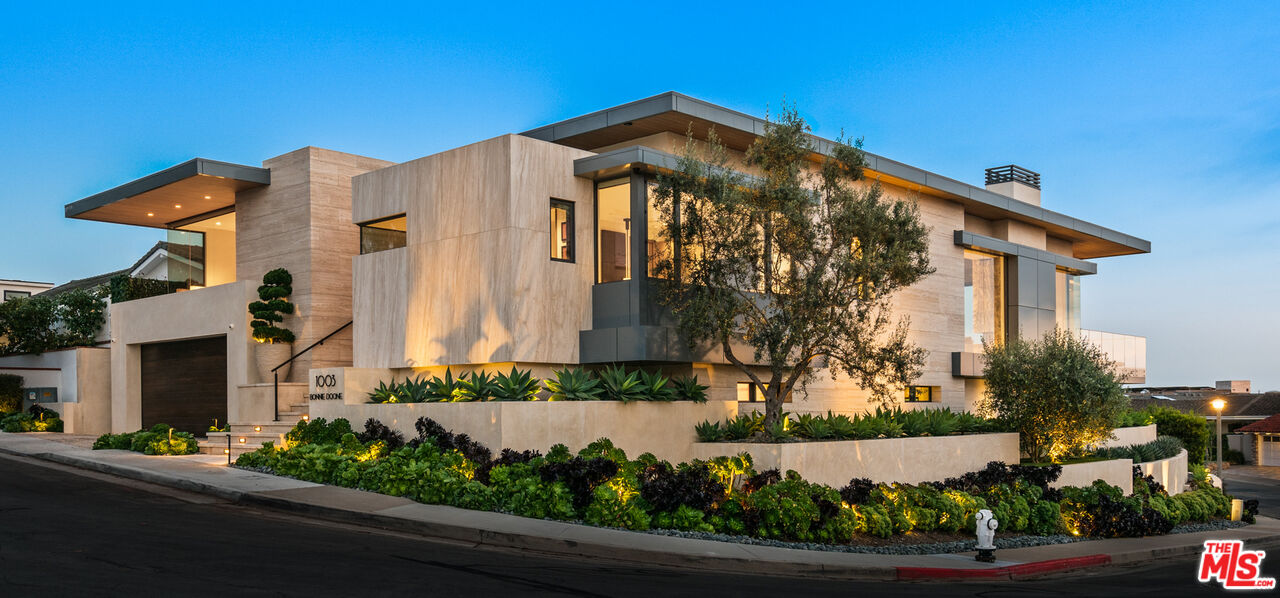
(82, 376)
(1171, 472)
(201, 313)
(1117, 472)
(664, 429)
(907, 460)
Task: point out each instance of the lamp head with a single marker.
(1218, 404)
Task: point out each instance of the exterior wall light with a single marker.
(242, 440)
(257, 428)
(306, 418)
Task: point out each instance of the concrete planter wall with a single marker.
(664, 429)
(1130, 436)
(907, 460)
(1117, 472)
(1171, 472)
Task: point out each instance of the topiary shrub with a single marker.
(276, 288)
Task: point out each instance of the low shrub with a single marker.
(1163, 447)
(614, 383)
(10, 393)
(1132, 418)
(159, 440)
(600, 485)
(36, 419)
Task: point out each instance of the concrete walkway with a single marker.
(209, 474)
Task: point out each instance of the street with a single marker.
(1256, 482)
(66, 532)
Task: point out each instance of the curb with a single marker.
(567, 547)
(1007, 572)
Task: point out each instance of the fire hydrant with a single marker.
(986, 530)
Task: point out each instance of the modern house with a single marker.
(532, 250)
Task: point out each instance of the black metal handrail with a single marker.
(1013, 172)
(275, 375)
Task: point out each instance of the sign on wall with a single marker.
(326, 384)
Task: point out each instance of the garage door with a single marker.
(1270, 450)
(184, 384)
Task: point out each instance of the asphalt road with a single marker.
(65, 532)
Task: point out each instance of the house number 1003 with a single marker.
(326, 381)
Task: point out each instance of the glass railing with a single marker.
(1127, 350)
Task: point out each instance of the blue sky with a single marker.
(1159, 119)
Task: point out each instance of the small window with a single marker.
(561, 231)
(919, 394)
(749, 393)
(16, 295)
(381, 235)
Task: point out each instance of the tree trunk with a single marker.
(773, 397)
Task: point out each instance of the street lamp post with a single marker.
(1218, 404)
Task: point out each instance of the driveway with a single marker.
(1255, 481)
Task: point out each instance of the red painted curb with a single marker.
(1008, 572)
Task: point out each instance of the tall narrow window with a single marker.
(983, 300)
(613, 230)
(1067, 305)
(561, 231)
(381, 235)
(186, 257)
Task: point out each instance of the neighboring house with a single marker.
(1261, 441)
(532, 250)
(1245, 415)
(16, 289)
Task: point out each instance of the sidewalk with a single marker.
(209, 474)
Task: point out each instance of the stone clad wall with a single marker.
(907, 460)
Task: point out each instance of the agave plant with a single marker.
(656, 387)
(709, 431)
(914, 423)
(942, 422)
(385, 393)
(574, 385)
(780, 430)
(516, 386)
(688, 389)
(841, 426)
(739, 428)
(415, 390)
(619, 385)
(476, 386)
(443, 390)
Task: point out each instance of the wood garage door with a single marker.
(184, 384)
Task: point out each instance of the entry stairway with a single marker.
(248, 437)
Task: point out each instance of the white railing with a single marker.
(1127, 350)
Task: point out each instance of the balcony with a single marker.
(1128, 351)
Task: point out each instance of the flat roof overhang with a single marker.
(677, 113)
(186, 185)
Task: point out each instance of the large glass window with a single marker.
(186, 257)
(920, 394)
(381, 235)
(613, 230)
(561, 230)
(1067, 304)
(983, 300)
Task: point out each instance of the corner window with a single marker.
(919, 394)
(381, 235)
(1067, 301)
(561, 231)
(983, 300)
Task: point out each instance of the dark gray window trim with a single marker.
(990, 244)
(573, 241)
(188, 169)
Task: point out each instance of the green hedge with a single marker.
(127, 288)
(10, 393)
(1193, 430)
(614, 383)
(159, 440)
(883, 423)
(601, 486)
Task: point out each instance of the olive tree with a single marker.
(1060, 393)
(797, 261)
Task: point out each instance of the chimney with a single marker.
(1016, 182)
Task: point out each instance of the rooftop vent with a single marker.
(1013, 174)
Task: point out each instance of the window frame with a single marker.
(572, 241)
(909, 394)
(753, 393)
(373, 224)
(15, 294)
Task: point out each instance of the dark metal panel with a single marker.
(188, 169)
(184, 383)
(611, 304)
(598, 346)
